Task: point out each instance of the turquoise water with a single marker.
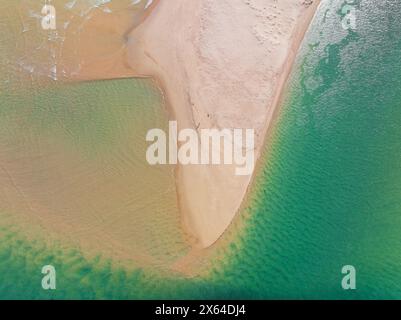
(330, 192)
(327, 195)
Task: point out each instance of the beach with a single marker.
(221, 64)
(78, 194)
(218, 64)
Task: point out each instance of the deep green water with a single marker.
(327, 195)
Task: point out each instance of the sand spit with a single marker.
(222, 64)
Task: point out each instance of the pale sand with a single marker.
(222, 64)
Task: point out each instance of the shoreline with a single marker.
(186, 264)
(280, 91)
(278, 100)
(204, 217)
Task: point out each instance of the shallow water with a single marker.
(326, 195)
(76, 39)
(329, 194)
(72, 159)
